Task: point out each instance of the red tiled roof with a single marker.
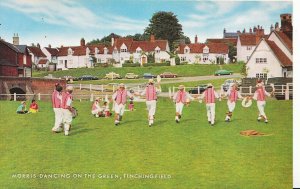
(52, 51)
(248, 39)
(81, 50)
(284, 60)
(100, 48)
(43, 61)
(223, 40)
(36, 51)
(198, 48)
(286, 40)
(148, 45)
(119, 41)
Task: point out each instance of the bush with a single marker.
(131, 65)
(157, 64)
(128, 62)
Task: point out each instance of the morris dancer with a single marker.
(120, 98)
(56, 104)
(260, 96)
(233, 94)
(181, 98)
(151, 99)
(67, 100)
(209, 95)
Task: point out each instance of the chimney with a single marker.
(152, 38)
(16, 39)
(82, 42)
(250, 30)
(49, 46)
(244, 31)
(61, 46)
(112, 41)
(38, 45)
(271, 28)
(196, 39)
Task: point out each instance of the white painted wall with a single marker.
(242, 51)
(273, 65)
(277, 41)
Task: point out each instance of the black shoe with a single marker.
(179, 116)
(117, 124)
(212, 125)
(120, 118)
(209, 122)
(177, 121)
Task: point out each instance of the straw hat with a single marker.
(151, 81)
(209, 85)
(121, 85)
(69, 88)
(259, 85)
(181, 87)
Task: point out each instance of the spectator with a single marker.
(34, 108)
(22, 108)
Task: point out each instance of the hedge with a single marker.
(131, 65)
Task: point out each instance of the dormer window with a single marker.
(205, 50)
(138, 50)
(123, 48)
(157, 50)
(70, 51)
(96, 50)
(186, 50)
(87, 51)
(115, 50)
(105, 50)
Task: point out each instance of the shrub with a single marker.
(157, 64)
(131, 65)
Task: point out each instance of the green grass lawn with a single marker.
(183, 70)
(193, 153)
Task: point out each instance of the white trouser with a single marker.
(119, 109)
(231, 105)
(210, 108)
(67, 119)
(96, 111)
(58, 119)
(179, 107)
(151, 107)
(261, 108)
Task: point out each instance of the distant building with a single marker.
(15, 60)
(51, 53)
(200, 53)
(38, 58)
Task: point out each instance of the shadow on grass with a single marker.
(81, 131)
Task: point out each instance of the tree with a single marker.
(244, 70)
(138, 37)
(165, 25)
(106, 40)
(232, 52)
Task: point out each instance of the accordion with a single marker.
(74, 112)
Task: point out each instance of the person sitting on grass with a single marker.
(105, 107)
(131, 105)
(97, 111)
(22, 108)
(34, 108)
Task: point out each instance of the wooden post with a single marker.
(287, 92)
(198, 90)
(113, 88)
(92, 97)
(39, 96)
(90, 87)
(80, 86)
(173, 90)
(250, 90)
(102, 88)
(170, 92)
(15, 97)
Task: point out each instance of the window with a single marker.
(205, 58)
(138, 51)
(157, 51)
(123, 50)
(183, 58)
(66, 64)
(70, 52)
(261, 60)
(105, 50)
(186, 50)
(249, 48)
(96, 50)
(24, 59)
(98, 60)
(115, 51)
(261, 75)
(61, 62)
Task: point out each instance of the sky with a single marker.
(65, 22)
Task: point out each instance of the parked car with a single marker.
(131, 76)
(227, 83)
(88, 77)
(149, 76)
(196, 91)
(69, 78)
(223, 72)
(112, 75)
(168, 75)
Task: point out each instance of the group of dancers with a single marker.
(62, 103)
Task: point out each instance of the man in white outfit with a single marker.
(180, 98)
(67, 100)
(209, 96)
(120, 98)
(56, 104)
(233, 95)
(151, 99)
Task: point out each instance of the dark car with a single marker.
(148, 76)
(198, 89)
(168, 75)
(88, 77)
(69, 78)
(223, 72)
(228, 82)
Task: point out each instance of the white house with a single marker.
(211, 53)
(37, 55)
(246, 44)
(268, 60)
(51, 53)
(125, 49)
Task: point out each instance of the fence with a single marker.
(281, 91)
(108, 88)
